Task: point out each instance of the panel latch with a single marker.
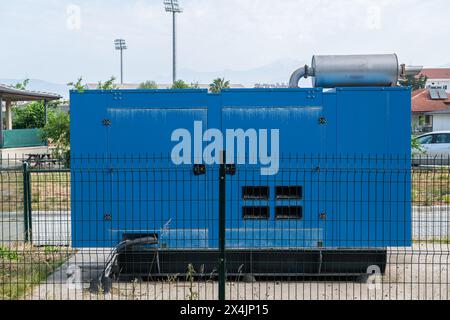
(322, 120)
(230, 169)
(199, 169)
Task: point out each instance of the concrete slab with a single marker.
(417, 273)
(49, 228)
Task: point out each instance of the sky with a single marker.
(60, 40)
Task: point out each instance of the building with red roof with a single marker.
(438, 78)
(430, 111)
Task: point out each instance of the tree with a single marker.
(22, 85)
(30, 116)
(108, 85)
(148, 85)
(57, 131)
(78, 85)
(180, 84)
(194, 85)
(218, 84)
(416, 147)
(414, 82)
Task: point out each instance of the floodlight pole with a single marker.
(173, 7)
(121, 45)
(174, 47)
(121, 66)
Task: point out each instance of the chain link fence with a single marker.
(140, 228)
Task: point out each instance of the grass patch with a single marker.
(445, 240)
(50, 191)
(22, 267)
(6, 253)
(431, 187)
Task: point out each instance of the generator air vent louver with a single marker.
(249, 213)
(255, 193)
(289, 212)
(291, 192)
(135, 236)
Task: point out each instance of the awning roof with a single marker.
(12, 94)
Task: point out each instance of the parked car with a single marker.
(436, 149)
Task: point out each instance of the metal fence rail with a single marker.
(138, 227)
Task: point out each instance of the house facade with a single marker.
(438, 78)
(430, 110)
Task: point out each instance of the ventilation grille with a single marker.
(255, 213)
(255, 193)
(289, 212)
(292, 192)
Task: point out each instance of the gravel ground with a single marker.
(421, 272)
(418, 273)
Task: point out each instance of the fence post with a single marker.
(27, 202)
(222, 226)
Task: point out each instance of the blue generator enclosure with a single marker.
(331, 168)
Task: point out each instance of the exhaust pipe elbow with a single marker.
(406, 71)
(303, 72)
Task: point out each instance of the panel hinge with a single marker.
(322, 120)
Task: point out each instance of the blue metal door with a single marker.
(278, 210)
(372, 188)
(149, 193)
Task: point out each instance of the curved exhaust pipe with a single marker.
(303, 72)
(410, 70)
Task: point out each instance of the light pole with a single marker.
(121, 45)
(173, 6)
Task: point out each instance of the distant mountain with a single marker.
(445, 66)
(41, 85)
(276, 72)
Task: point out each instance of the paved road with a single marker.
(431, 223)
(49, 228)
(11, 227)
(53, 228)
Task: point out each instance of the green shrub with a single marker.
(148, 85)
(6, 253)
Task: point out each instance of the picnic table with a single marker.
(39, 160)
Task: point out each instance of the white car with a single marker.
(436, 147)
